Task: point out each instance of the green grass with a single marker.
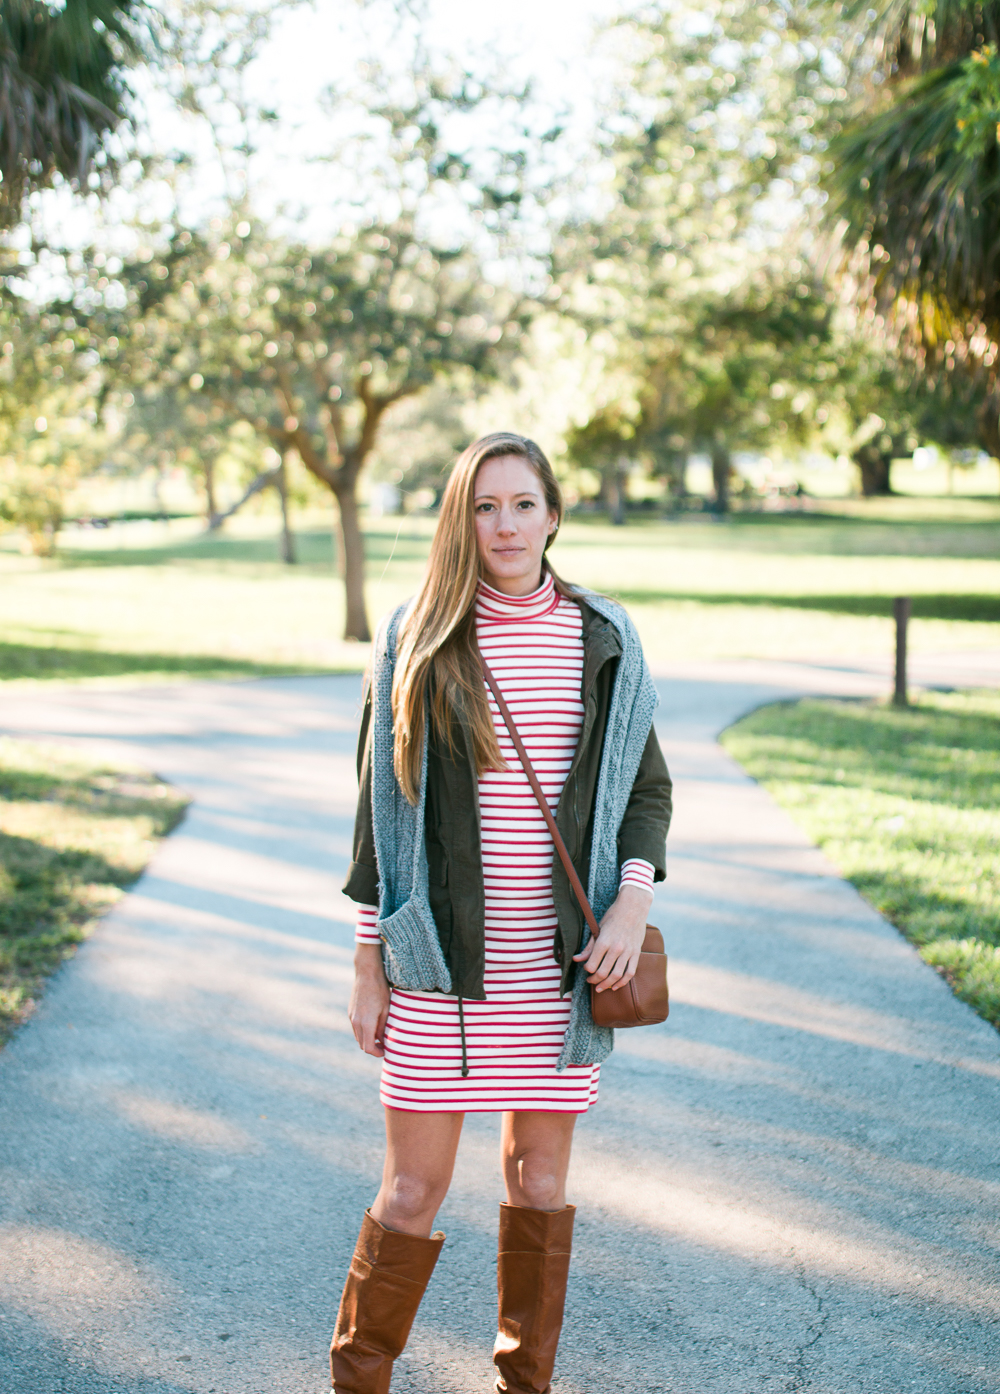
(165, 600)
(905, 803)
(73, 835)
(47, 662)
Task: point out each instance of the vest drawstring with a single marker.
(461, 1027)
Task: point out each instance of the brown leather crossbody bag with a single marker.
(645, 1000)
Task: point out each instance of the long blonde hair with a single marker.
(436, 649)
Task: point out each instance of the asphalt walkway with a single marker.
(792, 1185)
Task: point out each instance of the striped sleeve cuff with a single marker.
(636, 872)
(364, 928)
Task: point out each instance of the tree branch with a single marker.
(375, 405)
(262, 481)
(332, 477)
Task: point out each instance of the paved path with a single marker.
(794, 1184)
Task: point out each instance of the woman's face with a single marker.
(513, 524)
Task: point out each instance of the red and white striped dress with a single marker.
(533, 645)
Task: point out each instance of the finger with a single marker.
(365, 1037)
(585, 952)
(616, 972)
(604, 966)
(380, 1026)
(622, 974)
(600, 963)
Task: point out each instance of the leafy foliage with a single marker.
(915, 179)
(309, 345)
(921, 182)
(62, 91)
(690, 277)
(49, 431)
(312, 342)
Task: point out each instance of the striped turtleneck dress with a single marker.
(533, 645)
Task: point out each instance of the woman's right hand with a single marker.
(369, 1007)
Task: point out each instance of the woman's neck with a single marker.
(516, 585)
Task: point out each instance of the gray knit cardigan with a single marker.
(410, 945)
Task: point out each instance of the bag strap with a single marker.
(536, 788)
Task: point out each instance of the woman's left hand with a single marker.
(612, 958)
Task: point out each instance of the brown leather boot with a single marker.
(387, 1278)
(532, 1268)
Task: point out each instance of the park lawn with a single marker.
(156, 600)
(74, 834)
(905, 803)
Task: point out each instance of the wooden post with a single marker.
(901, 608)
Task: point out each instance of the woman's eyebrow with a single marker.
(521, 494)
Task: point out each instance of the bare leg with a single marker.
(419, 1161)
(534, 1155)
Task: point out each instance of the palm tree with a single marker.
(916, 181)
(62, 91)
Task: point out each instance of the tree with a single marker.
(62, 92)
(720, 134)
(753, 370)
(314, 340)
(753, 367)
(49, 386)
(891, 405)
(604, 444)
(914, 180)
(310, 345)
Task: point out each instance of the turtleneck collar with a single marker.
(494, 605)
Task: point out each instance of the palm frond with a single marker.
(62, 89)
(921, 185)
(917, 36)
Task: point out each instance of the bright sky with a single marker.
(547, 40)
(318, 46)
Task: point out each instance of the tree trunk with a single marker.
(158, 481)
(613, 492)
(722, 469)
(348, 543)
(988, 421)
(211, 509)
(874, 466)
(287, 538)
(676, 473)
(352, 554)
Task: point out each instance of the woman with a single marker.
(468, 938)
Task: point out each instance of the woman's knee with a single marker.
(410, 1196)
(539, 1181)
